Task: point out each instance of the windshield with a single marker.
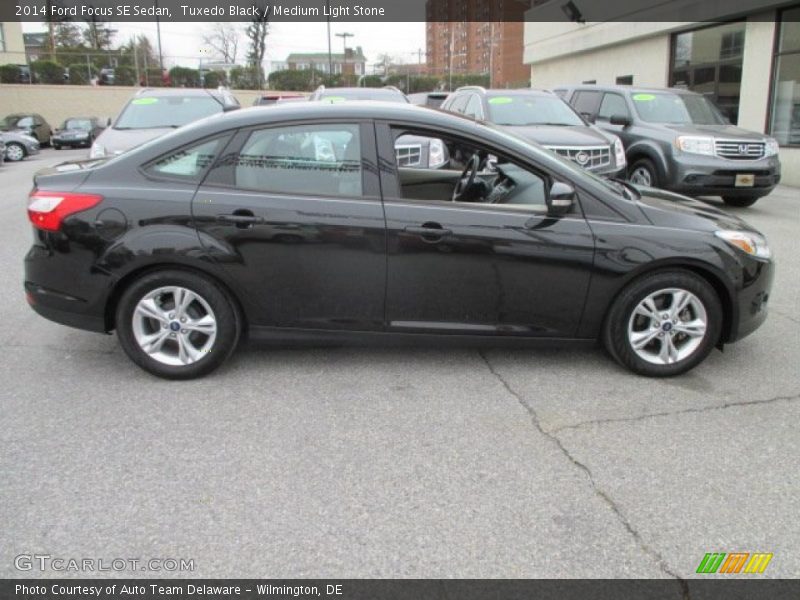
(84, 124)
(148, 112)
(363, 94)
(677, 109)
(518, 109)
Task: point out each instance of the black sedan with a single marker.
(298, 224)
(77, 132)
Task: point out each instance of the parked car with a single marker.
(678, 140)
(77, 132)
(174, 245)
(2, 150)
(152, 112)
(19, 145)
(412, 151)
(429, 99)
(546, 119)
(270, 98)
(31, 124)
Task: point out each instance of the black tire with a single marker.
(225, 312)
(740, 201)
(615, 330)
(646, 165)
(56, 147)
(22, 153)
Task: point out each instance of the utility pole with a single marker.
(136, 62)
(491, 57)
(158, 33)
(344, 37)
(330, 53)
(51, 27)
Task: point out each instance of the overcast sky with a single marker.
(182, 42)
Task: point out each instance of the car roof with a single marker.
(626, 88)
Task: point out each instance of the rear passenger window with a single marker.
(321, 160)
(187, 163)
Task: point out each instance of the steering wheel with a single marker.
(467, 179)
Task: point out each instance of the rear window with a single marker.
(151, 112)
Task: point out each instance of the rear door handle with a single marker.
(429, 232)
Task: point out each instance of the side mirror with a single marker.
(588, 116)
(561, 198)
(620, 120)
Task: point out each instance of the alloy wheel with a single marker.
(641, 176)
(667, 326)
(14, 152)
(174, 325)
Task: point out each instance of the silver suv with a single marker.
(153, 112)
(542, 117)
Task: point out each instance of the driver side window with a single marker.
(474, 174)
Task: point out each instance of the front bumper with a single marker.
(71, 141)
(697, 175)
(752, 297)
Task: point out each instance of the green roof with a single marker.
(300, 56)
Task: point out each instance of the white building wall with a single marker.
(646, 59)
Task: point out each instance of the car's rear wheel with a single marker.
(176, 324)
(740, 201)
(664, 324)
(15, 152)
(643, 172)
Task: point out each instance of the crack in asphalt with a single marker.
(599, 492)
(677, 412)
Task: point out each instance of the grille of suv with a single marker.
(408, 155)
(588, 157)
(742, 150)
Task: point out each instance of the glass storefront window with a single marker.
(709, 61)
(785, 109)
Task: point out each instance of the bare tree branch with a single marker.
(223, 38)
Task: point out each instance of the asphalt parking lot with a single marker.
(351, 462)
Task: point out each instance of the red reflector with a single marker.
(47, 210)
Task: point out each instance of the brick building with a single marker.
(474, 36)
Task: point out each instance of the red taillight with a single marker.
(47, 210)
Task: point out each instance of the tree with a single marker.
(305, 80)
(67, 35)
(10, 74)
(98, 34)
(46, 71)
(184, 77)
(223, 38)
(256, 33)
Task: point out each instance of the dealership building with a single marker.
(747, 59)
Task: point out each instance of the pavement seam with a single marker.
(677, 412)
(599, 492)
(785, 316)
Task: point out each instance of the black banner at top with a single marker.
(578, 11)
(400, 589)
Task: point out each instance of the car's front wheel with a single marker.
(664, 324)
(15, 152)
(643, 172)
(740, 201)
(176, 324)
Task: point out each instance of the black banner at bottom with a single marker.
(399, 589)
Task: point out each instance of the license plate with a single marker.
(745, 180)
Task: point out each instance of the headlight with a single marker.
(695, 145)
(619, 153)
(746, 241)
(771, 147)
(436, 157)
(97, 151)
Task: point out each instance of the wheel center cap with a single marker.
(175, 326)
(666, 326)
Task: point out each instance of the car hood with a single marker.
(70, 131)
(117, 141)
(666, 209)
(720, 131)
(554, 135)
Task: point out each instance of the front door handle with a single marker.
(241, 218)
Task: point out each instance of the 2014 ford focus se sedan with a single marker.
(296, 223)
